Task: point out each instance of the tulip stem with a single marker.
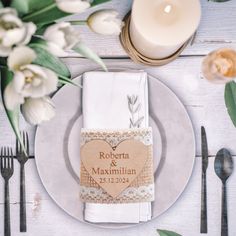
(79, 22)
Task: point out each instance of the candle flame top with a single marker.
(168, 9)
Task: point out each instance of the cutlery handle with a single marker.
(224, 214)
(204, 204)
(7, 224)
(22, 200)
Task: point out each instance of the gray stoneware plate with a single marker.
(57, 149)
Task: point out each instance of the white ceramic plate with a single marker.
(57, 149)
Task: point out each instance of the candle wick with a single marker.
(168, 9)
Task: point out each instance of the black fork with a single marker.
(7, 169)
(22, 158)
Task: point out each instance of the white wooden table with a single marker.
(205, 105)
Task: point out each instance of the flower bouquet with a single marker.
(31, 44)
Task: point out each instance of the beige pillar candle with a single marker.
(158, 28)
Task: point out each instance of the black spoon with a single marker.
(224, 168)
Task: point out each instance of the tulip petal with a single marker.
(8, 10)
(37, 110)
(51, 82)
(56, 50)
(30, 29)
(105, 22)
(72, 6)
(20, 56)
(35, 69)
(4, 51)
(12, 19)
(61, 36)
(55, 34)
(18, 81)
(11, 98)
(44, 81)
(13, 36)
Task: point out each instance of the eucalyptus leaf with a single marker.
(167, 233)
(13, 115)
(83, 50)
(230, 100)
(46, 59)
(139, 122)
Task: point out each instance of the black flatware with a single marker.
(224, 168)
(203, 227)
(7, 169)
(22, 158)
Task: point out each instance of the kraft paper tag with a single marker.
(116, 166)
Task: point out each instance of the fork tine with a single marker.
(1, 162)
(8, 157)
(12, 162)
(4, 154)
(27, 143)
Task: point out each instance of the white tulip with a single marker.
(105, 22)
(37, 110)
(13, 31)
(11, 98)
(73, 6)
(60, 37)
(29, 80)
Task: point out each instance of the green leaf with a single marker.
(230, 100)
(38, 42)
(3, 61)
(46, 14)
(46, 59)
(21, 6)
(43, 11)
(65, 80)
(167, 233)
(42, 27)
(13, 115)
(28, 6)
(96, 2)
(83, 50)
(1, 5)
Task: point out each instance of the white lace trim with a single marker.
(114, 137)
(129, 195)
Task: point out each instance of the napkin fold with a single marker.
(105, 106)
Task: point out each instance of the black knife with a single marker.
(204, 185)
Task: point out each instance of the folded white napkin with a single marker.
(105, 106)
